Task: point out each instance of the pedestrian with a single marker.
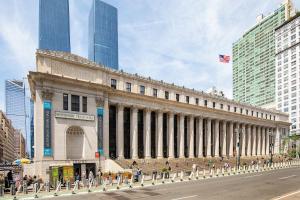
(9, 178)
(91, 177)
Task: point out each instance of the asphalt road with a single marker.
(256, 186)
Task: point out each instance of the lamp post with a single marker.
(271, 145)
(238, 131)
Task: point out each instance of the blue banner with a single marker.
(47, 128)
(100, 113)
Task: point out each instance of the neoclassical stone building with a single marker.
(82, 108)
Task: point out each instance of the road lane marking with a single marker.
(287, 195)
(253, 176)
(287, 177)
(185, 197)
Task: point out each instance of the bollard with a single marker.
(244, 169)
(197, 174)
(203, 173)
(104, 184)
(118, 182)
(218, 171)
(163, 178)
(68, 185)
(234, 170)
(223, 171)
(35, 188)
(212, 173)
(25, 191)
(57, 189)
(131, 182)
(142, 181)
(191, 176)
(153, 180)
(181, 176)
(173, 179)
(90, 186)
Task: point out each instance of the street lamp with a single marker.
(238, 131)
(271, 145)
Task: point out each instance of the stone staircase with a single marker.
(186, 164)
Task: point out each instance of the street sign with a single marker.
(97, 154)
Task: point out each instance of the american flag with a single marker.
(224, 58)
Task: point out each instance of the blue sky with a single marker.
(177, 41)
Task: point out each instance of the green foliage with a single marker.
(294, 137)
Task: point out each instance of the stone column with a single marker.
(147, 134)
(249, 140)
(191, 142)
(254, 141)
(208, 146)
(263, 140)
(171, 135)
(259, 141)
(159, 135)
(200, 137)
(224, 137)
(268, 141)
(181, 139)
(277, 141)
(217, 141)
(134, 133)
(120, 131)
(106, 127)
(243, 140)
(231, 139)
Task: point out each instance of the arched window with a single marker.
(74, 142)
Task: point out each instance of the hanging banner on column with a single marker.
(100, 129)
(47, 128)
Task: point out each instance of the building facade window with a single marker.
(187, 99)
(142, 89)
(128, 87)
(205, 102)
(75, 103)
(197, 101)
(84, 104)
(228, 107)
(214, 104)
(177, 97)
(234, 109)
(113, 83)
(65, 101)
(166, 95)
(221, 106)
(154, 92)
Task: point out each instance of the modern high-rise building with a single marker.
(287, 38)
(103, 34)
(254, 59)
(15, 104)
(54, 25)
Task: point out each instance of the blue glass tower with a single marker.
(54, 25)
(103, 34)
(15, 104)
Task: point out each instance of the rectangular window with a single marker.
(197, 101)
(187, 99)
(128, 87)
(247, 112)
(241, 110)
(205, 102)
(84, 104)
(66, 101)
(113, 83)
(214, 104)
(142, 89)
(252, 113)
(75, 103)
(177, 97)
(166, 95)
(154, 92)
(228, 107)
(221, 106)
(234, 109)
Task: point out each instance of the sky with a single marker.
(177, 41)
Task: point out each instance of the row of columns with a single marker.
(223, 139)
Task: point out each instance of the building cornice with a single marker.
(77, 60)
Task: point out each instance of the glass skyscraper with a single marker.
(15, 104)
(54, 25)
(103, 34)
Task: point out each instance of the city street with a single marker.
(257, 186)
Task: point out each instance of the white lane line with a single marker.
(287, 177)
(253, 176)
(185, 197)
(287, 195)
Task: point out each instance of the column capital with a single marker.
(47, 94)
